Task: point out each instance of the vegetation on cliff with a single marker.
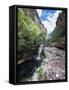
(30, 34)
(57, 37)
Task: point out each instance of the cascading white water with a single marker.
(39, 52)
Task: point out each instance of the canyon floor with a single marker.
(52, 67)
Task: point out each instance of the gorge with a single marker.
(40, 58)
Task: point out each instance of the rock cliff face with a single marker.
(61, 19)
(31, 32)
(58, 35)
(32, 13)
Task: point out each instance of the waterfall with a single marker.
(39, 52)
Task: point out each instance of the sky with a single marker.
(48, 18)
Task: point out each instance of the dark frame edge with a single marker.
(37, 6)
(12, 77)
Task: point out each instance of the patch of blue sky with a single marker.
(48, 18)
(46, 14)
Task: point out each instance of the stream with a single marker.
(53, 66)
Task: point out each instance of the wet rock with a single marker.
(53, 66)
(27, 68)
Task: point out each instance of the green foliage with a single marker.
(57, 33)
(40, 71)
(29, 34)
(57, 36)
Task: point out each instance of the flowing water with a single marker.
(39, 52)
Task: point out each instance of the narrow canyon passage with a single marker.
(41, 45)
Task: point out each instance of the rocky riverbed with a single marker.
(52, 66)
